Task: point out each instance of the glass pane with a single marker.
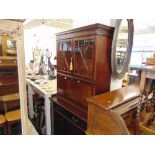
(83, 64)
(64, 56)
(121, 46)
(11, 47)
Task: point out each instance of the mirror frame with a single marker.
(115, 73)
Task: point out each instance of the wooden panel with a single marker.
(1, 45)
(75, 90)
(66, 122)
(105, 111)
(116, 98)
(4, 46)
(69, 106)
(8, 79)
(8, 62)
(103, 64)
(104, 122)
(89, 30)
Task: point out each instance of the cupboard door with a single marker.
(75, 90)
(84, 51)
(63, 126)
(64, 55)
(82, 92)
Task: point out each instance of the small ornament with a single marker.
(71, 65)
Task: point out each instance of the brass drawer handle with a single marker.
(0, 61)
(15, 61)
(78, 81)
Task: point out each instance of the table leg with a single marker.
(30, 102)
(48, 116)
(52, 118)
(142, 82)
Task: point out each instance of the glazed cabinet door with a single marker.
(84, 55)
(64, 56)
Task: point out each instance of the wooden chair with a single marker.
(3, 123)
(13, 116)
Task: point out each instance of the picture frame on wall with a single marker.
(11, 47)
(0, 46)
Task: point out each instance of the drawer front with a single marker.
(8, 62)
(130, 120)
(126, 107)
(74, 90)
(67, 119)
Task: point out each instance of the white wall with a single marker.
(84, 22)
(41, 36)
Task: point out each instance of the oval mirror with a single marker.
(121, 47)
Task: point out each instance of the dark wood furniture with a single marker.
(83, 66)
(8, 80)
(3, 124)
(13, 116)
(8, 85)
(66, 121)
(101, 109)
(8, 61)
(146, 107)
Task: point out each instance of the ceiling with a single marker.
(57, 23)
(8, 25)
(142, 26)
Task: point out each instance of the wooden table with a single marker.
(44, 90)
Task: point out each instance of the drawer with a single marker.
(8, 62)
(127, 118)
(126, 107)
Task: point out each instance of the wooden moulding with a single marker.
(87, 30)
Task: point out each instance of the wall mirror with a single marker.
(7, 45)
(122, 47)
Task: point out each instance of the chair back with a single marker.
(12, 101)
(8, 85)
